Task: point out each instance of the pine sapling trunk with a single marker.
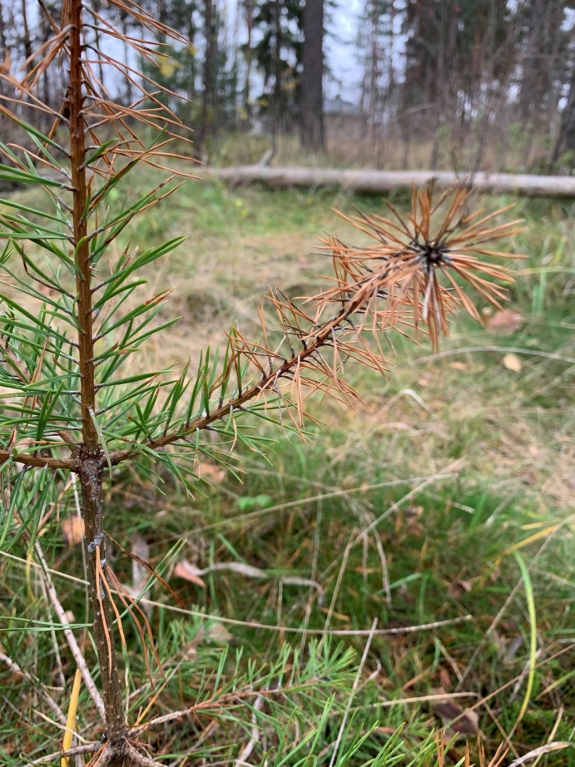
(90, 459)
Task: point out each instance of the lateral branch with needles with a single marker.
(394, 284)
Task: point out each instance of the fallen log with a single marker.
(384, 181)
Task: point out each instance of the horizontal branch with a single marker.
(86, 748)
(367, 181)
(266, 383)
(395, 631)
(38, 461)
(401, 269)
(241, 695)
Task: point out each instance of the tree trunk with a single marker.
(3, 44)
(27, 42)
(4, 56)
(249, 56)
(206, 119)
(374, 74)
(381, 182)
(566, 139)
(312, 128)
(277, 89)
(191, 75)
(544, 21)
(90, 461)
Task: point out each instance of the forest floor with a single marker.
(447, 498)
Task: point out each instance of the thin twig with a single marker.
(70, 638)
(538, 752)
(335, 594)
(270, 627)
(233, 698)
(140, 759)
(323, 497)
(87, 748)
(446, 473)
(502, 349)
(255, 736)
(352, 694)
(55, 647)
(507, 602)
(15, 668)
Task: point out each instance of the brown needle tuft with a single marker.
(399, 276)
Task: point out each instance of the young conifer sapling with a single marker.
(68, 407)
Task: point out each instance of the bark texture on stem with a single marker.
(91, 466)
(89, 458)
(82, 254)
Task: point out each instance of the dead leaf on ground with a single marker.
(512, 362)
(188, 572)
(462, 366)
(73, 530)
(217, 632)
(505, 322)
(467, 720)
(528, 478)
(458, 588)
(211, 472)
(413, 512)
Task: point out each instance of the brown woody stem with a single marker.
(89, 459)
(323, 336)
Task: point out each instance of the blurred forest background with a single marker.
(440, 84)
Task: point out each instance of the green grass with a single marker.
(438, 548)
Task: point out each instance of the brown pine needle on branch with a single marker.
(395, 285)
(412, 256)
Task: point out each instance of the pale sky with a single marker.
(340, 50)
